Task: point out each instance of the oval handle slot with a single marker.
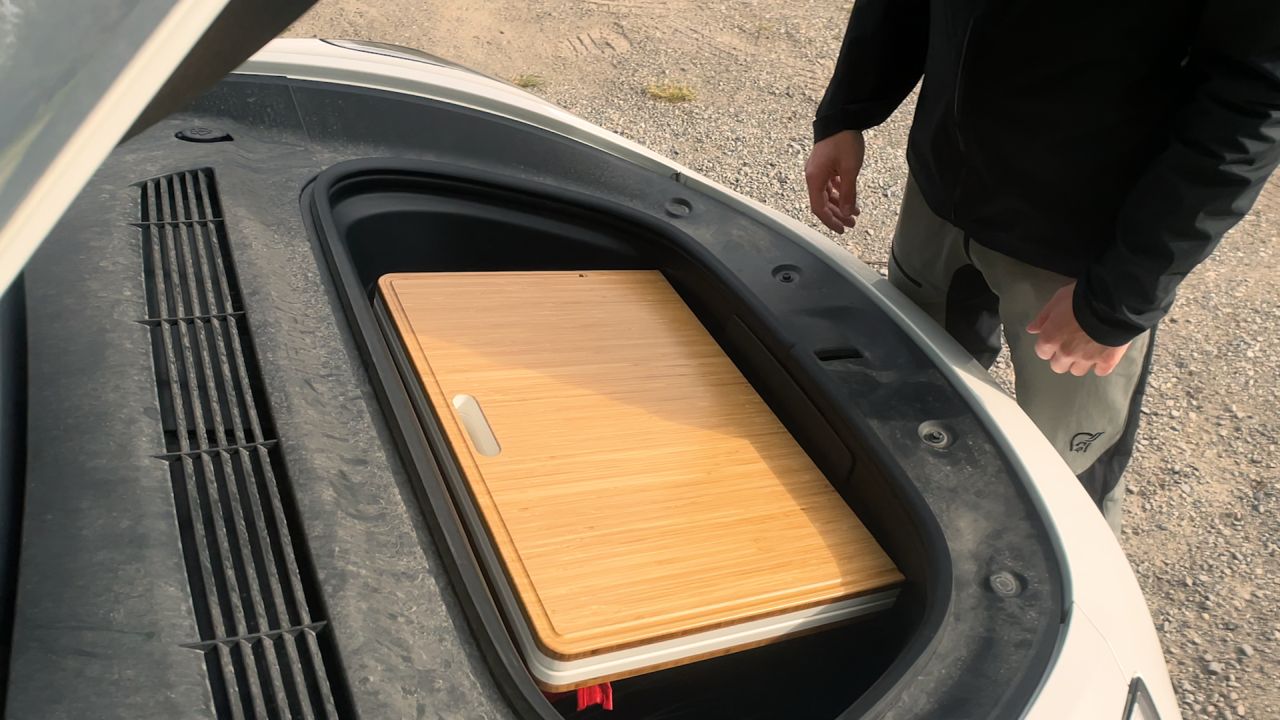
(476, 425)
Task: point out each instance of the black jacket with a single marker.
(1114, 141)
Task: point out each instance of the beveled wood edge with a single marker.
(518, 572)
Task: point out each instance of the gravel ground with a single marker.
(1201, 529)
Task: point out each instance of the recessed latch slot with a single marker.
(839, 353)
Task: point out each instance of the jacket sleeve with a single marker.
(880, 61)
(1225, 142)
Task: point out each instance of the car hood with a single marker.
(78, 77)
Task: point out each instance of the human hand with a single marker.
(832, 176)
(1065, 344)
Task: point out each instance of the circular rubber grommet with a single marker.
(679, 207)
(202, 134)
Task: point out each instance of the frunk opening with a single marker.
(373, 223)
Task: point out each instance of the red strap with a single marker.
(601, 695)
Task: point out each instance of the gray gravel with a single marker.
(1201, 530)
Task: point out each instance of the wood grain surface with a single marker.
(641, 489)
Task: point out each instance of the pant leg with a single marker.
(929, 263)
(1113, 462)
(1091, 420)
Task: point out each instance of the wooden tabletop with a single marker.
(635, 485)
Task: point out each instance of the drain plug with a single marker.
(1004, 584)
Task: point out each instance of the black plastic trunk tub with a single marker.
(852, 389)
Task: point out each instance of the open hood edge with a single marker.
(194, 46)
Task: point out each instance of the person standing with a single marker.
(1070, 163)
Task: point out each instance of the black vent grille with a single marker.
(261, 627)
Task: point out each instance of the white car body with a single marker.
(1110, 638)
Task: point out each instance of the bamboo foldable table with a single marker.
(648, 507)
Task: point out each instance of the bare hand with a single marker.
(832, 176)
(1066, 345)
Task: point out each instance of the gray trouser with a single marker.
(971, 291)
